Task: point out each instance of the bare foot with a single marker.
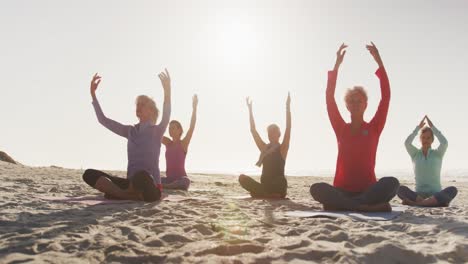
(408, 202)
(382, 207)
(171, 186)
(167, 186)
(428, 202)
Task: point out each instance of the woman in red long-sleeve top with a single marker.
(355, 186)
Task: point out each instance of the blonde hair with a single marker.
(353, 91)
(273, 126)
(149, 102)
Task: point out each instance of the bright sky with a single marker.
(225, 51)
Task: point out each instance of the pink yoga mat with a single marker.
(97, 199)
(87, 200)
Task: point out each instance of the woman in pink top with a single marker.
(176, 150)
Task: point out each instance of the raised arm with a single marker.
(165, 141)
(287, 133)
(332, 109)
(166, 115)
(410, 148)
(442, 139)
(114, 126)
(258, 140)
(380, 116)
(193, 121)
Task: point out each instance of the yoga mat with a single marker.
(98, 200)
(87, 200)
(375, 216)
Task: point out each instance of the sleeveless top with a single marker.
(273, 173)
(175, 161)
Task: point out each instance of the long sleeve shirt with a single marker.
(357, 152)
(427, 168)
(143, 141)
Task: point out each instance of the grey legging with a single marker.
(381, 192)
(444, 197)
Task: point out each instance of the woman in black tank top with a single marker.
(273, 178)
(273, 182)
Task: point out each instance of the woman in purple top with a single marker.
(143, 180)
(176, 151)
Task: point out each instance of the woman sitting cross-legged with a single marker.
(176, 151)
(143, 147)
(355, 186)
(273, 182)
(427, 164)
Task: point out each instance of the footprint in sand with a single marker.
(311, 255)
(296, 244)
(173, 238)
(119, 258)
(200, 228)
(231, 250)
(154, 243)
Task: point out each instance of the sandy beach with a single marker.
(220, 228)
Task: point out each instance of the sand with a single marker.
(218, 229)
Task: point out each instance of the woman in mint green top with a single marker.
(427, 164)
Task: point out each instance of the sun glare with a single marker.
(236, 41)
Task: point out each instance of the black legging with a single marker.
(90, 176)
(381, 192)
(259, 190)
(141, 181)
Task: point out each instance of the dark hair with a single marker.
(177, 123)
